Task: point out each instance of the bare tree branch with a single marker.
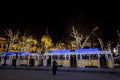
(85, 43)
(80, 40)
(109, 45)
(11, 37)
(101, 43)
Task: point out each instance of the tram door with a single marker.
(49, 61)
(73, 62)
(103, 61)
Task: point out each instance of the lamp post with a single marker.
(91, 40)
(90, 33)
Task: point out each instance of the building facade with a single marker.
(3, 43)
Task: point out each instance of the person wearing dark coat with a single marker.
(14, 62)
(54, 69)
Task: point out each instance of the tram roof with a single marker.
(87, 50)
(24, 53)
(18, 53)
(79, 51)
(35, 54)
(60, 51)
(7, 53)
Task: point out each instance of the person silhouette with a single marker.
(54, 69)
(14, 62)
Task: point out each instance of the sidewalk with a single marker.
(107, 70)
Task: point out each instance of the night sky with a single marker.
(34, 17)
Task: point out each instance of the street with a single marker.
(14, 74)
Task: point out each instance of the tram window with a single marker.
(49, 57)
(36, 57)
(93, 56)
(26, 56)
(33, 57)
(41, 57)
(14, 57)
(55, 57)
(30, 56)
(85, 56)
(62, 57)
(45, 57)
(18, 57)
(109, 56)
(7, 57)
(67, 57)
(11, 57)
(78, 56)
(3, 57)
(21, 57)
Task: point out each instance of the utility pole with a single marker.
(90, 33)
(91, 39)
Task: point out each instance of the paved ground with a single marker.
(16, 74)
(103, 70)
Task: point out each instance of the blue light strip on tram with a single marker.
(7, 53)
(60, 51)
(76, 50)
(87, 50)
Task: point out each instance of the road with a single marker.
(13, 74)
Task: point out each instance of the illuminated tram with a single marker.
(79, 58)
(7, 56)
(22, 58)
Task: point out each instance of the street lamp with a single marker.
(91, 32)
(91, 39)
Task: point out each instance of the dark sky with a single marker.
(33, 17)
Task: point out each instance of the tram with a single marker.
(92, 57)
(6, 58)
(22, 58)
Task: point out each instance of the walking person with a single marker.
(54, 69)
(14, 62)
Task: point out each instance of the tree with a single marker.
(118, 42)
(12, 38)
(101, 43)
(109, 45)
(80, 40)
(28, 44)
(60, 45)
(23, 43)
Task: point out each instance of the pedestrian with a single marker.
(5, 58)
(54, 68)
(14, 62)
